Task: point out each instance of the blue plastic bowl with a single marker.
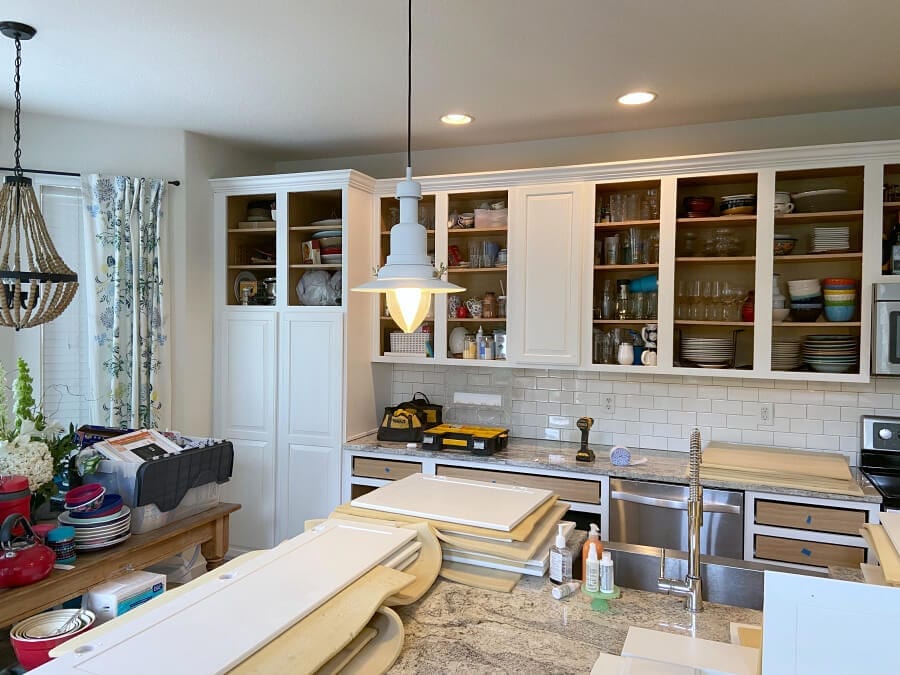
(840, 312)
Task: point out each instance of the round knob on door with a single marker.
(885, 433)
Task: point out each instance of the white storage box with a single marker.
(113, 598)
(490, 218)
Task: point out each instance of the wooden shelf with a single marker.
(622, 224)
(625, 322)
(476, 231)
(386, 234)
(639, 266)
(316, 267)
(314, 228)
(892, 205)
(691, 322)
(718, 259)
(251, 230)
(251, 267)
(817, 324)
(481, 319)
(818, 217)
(461, 270)
(818, 257)
(719, 221)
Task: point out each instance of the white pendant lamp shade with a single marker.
(408, 277)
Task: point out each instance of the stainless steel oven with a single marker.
(886, 330)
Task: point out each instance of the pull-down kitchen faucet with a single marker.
(690, 587)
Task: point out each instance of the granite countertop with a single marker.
(458, 629)
(662, 465)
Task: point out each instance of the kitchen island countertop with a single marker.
(459, 629)
(662, 465)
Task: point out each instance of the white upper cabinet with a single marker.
(546, 232)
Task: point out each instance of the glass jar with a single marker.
(489, 305)
(725, 243)
(470, 347)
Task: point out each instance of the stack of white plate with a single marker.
(708, 352)
(831, 353)
(92, 534)
(786, 354)
(830, 239)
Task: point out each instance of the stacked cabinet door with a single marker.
(245, 404)
(310, 406)
(545, 244)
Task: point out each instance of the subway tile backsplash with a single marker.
(658, 411)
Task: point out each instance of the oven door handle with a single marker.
(677, 504)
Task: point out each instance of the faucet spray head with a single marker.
(695, 459)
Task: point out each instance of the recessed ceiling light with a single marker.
(456, 119)
(636, 97)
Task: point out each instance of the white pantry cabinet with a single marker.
(545, 248)
(282, 393)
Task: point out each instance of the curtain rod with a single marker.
(176, 183)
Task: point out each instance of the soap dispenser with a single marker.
(593, 538)
(560, 559)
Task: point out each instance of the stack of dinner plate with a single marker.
(99, 532)
(831, 353)
(786, 354)
(708, 352)
(826, 239)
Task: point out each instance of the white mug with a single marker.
(649, 333)
(626, 354)
(648, 357)
(784, 208)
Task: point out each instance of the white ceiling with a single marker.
(317, 78)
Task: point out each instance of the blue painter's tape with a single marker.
(809, 520)
(806, 552)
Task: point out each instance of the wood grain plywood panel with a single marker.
(584, 491)
(804, 552)
(807, 517)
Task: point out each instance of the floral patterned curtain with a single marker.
(127, 312)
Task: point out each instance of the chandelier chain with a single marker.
(409, 89)
(18, 132)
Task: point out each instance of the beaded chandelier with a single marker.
(36, 285)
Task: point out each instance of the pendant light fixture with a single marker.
(408, 278)
(36, 285)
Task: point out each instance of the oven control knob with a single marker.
(885, 433)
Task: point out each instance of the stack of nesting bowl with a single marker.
(806, 299)
(840, 299)
(34, 638)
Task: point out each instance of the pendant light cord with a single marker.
(408, 90)
(18, 133)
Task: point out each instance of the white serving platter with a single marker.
(276, 588)
(456, 500)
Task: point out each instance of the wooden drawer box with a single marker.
(808, 517)
(388, 469)
(584, 491)
(803, 552)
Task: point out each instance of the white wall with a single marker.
(65, 144)
(773, 132)
(192, 256)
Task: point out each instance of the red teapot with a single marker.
(23, 559)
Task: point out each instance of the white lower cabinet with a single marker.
(309, 414)
(545, 252)
(244, 402)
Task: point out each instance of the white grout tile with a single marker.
(807, 396)
(668, 379)
(867, 400)
(574, 410)
(537, 395)
(570, 384)
(667, 403)
(785, 384)
(683, 390)
(779, 424)
(711, 419)
(560, 422)
(557, 396)
(524, 382)
(887, 385)
(649, 415)
(823, 412)
(858, 386)
(682, 417)
(840, 428)
(725, 434)
(668, 430)
(548, 409)
(547, 383)
(742, 394)
(712, 392)
(599, 387)
(654, 388)
(850, 398)
(788, 440)
(654, 442)
(640, 428)
(628, 440)
(587, 398)
(680, 444)
(729, 407)
(763, 437)
(850, 414)
(800, 426)
(742, 422)
(638, 401)
(626, 388)
(823, 442)
(776, 396)
(524, 406)
(696, 404)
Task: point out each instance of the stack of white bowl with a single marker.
(786, 354)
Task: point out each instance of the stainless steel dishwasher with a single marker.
(655, 514)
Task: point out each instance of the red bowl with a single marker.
(835, 281)
(34, 652)
(85, 497)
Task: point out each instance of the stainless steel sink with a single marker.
(725, 581)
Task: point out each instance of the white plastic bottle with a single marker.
(592, 574)
(560, 559)
(607, 582)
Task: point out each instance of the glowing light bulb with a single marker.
(408, 307)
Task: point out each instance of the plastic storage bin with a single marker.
(162, 491)
(490, 218)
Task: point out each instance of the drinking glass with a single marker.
(639, 305)
(617, 207)
(652, 304)
(611, 250)
(650, 205)
(474, 254)
(632, 206)
(695, 293)
(609, 299)
(635, 245)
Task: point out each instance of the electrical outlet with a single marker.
(608, 403)
(766, 412)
